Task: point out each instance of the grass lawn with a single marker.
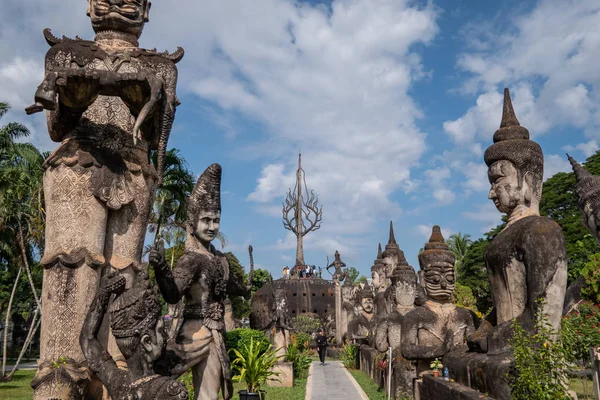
(366, 383)
(275, 393)
(19, 388)
(583, 387)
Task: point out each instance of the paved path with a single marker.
(28, 365)
(332, 382)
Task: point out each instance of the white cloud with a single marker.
(588, 149)
(477, 177)
(485, 213)
(554, 163)
(438, 180)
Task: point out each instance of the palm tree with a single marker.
(459, 244)
(21, 208)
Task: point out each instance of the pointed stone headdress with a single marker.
(391, 248)
(378, 263)
(206, 194)
(588, 187)
(364, 293)
(512, 143)
(436, 250)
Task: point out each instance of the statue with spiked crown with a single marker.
(203, 279)
(108, 103)
(588, 195)
(526, 262)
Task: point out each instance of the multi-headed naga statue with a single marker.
(202, 276)
(308, 209)
(109, 103)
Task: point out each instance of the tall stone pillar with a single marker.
(340, 329)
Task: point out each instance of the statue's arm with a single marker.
(411, 349)
(167, 116)
(174, 284)
(381, 335)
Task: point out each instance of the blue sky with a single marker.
(392, 103)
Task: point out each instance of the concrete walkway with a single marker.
(332, 382)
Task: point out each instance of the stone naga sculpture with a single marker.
(432, 330)
(135, 319)
(526, 262)
(109, 103)
(202, 276)
(588, 195)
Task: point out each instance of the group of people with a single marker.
(302, 271)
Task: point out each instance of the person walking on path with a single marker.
(321, 344)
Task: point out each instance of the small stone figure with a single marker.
(109, 103)
(338, 264)
(137, 325)
(588, 194)
(379, 280)
(202, 276)
(278, 329)
(403, 289)
(526, 262)
(430, 331)
(361, 325)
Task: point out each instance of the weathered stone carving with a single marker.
(379, 280)
(432, 330)
(202, 277)
(588, 194)
(527, 260)
(108, 102)
(338, 264)
(278, 330)
(361, 325)
(135, 319)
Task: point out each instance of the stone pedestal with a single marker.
(430, 388)
(482, 372)
(340, 330)
(285, 377)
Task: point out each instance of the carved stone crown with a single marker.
(511, 143)
(436, 250)
(391, 248)
(403, 272)
(136, 311)
(364, 293)
(206, 194)
(378, 264)
(588, 185)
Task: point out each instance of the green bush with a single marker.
(303, 340)
(580, 332)
(237, 339)
(349, 355)
(591, 273)
(298, 354)
(188, 380)
(540, 369)
(305, 324)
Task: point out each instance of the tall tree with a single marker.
(459, 244)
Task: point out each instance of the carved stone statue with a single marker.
(430, 331)
(279, 330)
(201, 276)
(388, 332)
(361, 325)
(391, 253)
(527, 260)
(588, 194)
(379, 280)
(135, 319)
(348, 308)
(338, 264)
(108, 103)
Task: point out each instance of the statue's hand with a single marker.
(78, 88)
(157, 255)
(113, 283)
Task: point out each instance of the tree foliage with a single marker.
(459, 245)
(473, 274)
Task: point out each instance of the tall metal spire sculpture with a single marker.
(303, 209)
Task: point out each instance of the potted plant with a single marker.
(254, 367)
(435, 366)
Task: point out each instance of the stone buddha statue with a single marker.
(430, 331)
(379, 281)
(403, 292)
(361, 325)
(526, 262)
(588, 194)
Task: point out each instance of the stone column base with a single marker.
(285, 377)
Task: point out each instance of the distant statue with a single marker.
(203, 277)
(527, 261)
(379, 280)
(431, 331)
(361, 325)
(135, 319)
(278, 330)
(338, 264)
(588, 195)
(109, 103)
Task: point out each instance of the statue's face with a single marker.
(439, 281)
(154, 347)
(375, 279)
(390, 263)
(347, 294)
(119, 15)
(405, 292)
(207, 226)
(505, 191)
(367, 305)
